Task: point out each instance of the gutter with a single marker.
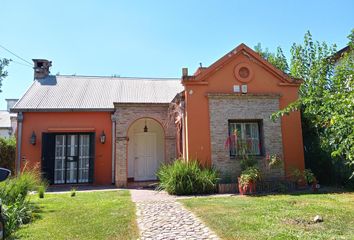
(19, 142)
(15, 110)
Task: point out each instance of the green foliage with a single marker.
(3, 73)
(306, 175)
(309, 176)
(249, 175)
(246, 160)
(187, 178)
(16, 214)
(296, 174)
(73, 192)
(13, 193)
(274, 161)
(17, 188)
(8, 153)
(278, 59)
(41, 190)
(326, 98)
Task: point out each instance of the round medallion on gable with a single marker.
(243, 72)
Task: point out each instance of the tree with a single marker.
(326, 96)
(3, 73)
(277, 59)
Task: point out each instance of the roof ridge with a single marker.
(115, 77)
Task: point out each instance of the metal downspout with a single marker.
(113, 118)
(19, 142)
(183, 132)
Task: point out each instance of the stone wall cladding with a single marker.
(224, 107)
(125, 115)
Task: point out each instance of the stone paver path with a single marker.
(161, 217)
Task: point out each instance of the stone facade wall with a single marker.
(125, 115)
(224, 107)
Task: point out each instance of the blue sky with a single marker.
(154, 38)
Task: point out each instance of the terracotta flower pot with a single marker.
(249, 188)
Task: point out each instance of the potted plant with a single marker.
(305, 178)
(247, 180)
(297, 177)
(250, 173)
(311, 179)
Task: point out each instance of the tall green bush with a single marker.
(326, 99)
(7, 153)
(187, 178)
(13, 193)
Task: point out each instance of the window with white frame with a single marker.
(244, 136)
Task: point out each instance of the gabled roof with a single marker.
(202, 74)
(85, 93)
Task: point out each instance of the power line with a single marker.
(15, 55)
(23, 64)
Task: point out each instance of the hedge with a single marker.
(8, 153)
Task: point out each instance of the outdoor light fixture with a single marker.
(145, 128)
(33, 138)
(103, 137)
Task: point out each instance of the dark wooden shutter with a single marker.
(48, 156)
(92, 157)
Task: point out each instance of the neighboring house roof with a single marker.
(5, 121)
(85, 93)
(340, 53)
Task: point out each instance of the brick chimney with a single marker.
(41, 68)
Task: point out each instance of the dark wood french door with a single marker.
(67, 158)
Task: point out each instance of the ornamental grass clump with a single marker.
(17, 209)
(187, 178)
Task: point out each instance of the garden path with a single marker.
(160, 216)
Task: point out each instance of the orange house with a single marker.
(104, 130)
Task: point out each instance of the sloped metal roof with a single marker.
(5, 121)
(84, 93)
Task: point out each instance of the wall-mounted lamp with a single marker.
(145, 128)
(33, 138)
(103, 137)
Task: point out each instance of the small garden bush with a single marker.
(13, 193)
(186, 178)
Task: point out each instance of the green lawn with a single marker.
(91, 215)
(277, 216)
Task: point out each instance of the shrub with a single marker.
(309, 176)
(186, 178)
(13, 193)
(8, 153)
(16, 214)
(17, 188)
